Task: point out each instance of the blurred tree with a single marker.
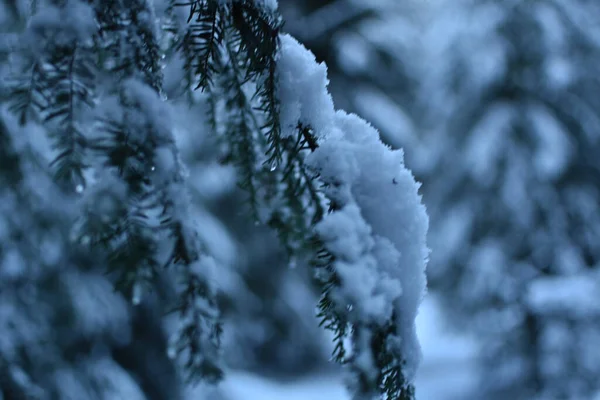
(511, 179)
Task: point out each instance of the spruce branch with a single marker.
(257, 38)
(242, 131)
(199, 336)
(55, 87)
(258, 32)
(142, 152)
(254, 35)
(69, 82)
(302, 203)
(135, 144)
(127, 40)
(24, 97)
(199, 42)
(56, 78)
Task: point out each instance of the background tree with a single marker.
(511, 182)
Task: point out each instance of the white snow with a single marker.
(378, 197)
(302, 89)
(73, 22)
(147, 116)
(371, 292)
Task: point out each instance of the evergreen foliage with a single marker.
(89, 73)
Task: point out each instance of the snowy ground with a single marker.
(445, 374)
(247, 387)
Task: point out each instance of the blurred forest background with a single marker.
(496, 104)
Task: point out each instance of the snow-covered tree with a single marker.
(511, 178)
(87, 76)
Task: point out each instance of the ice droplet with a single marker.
(152, 168)
(79, 188)
(349, 307)
(273, 166)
